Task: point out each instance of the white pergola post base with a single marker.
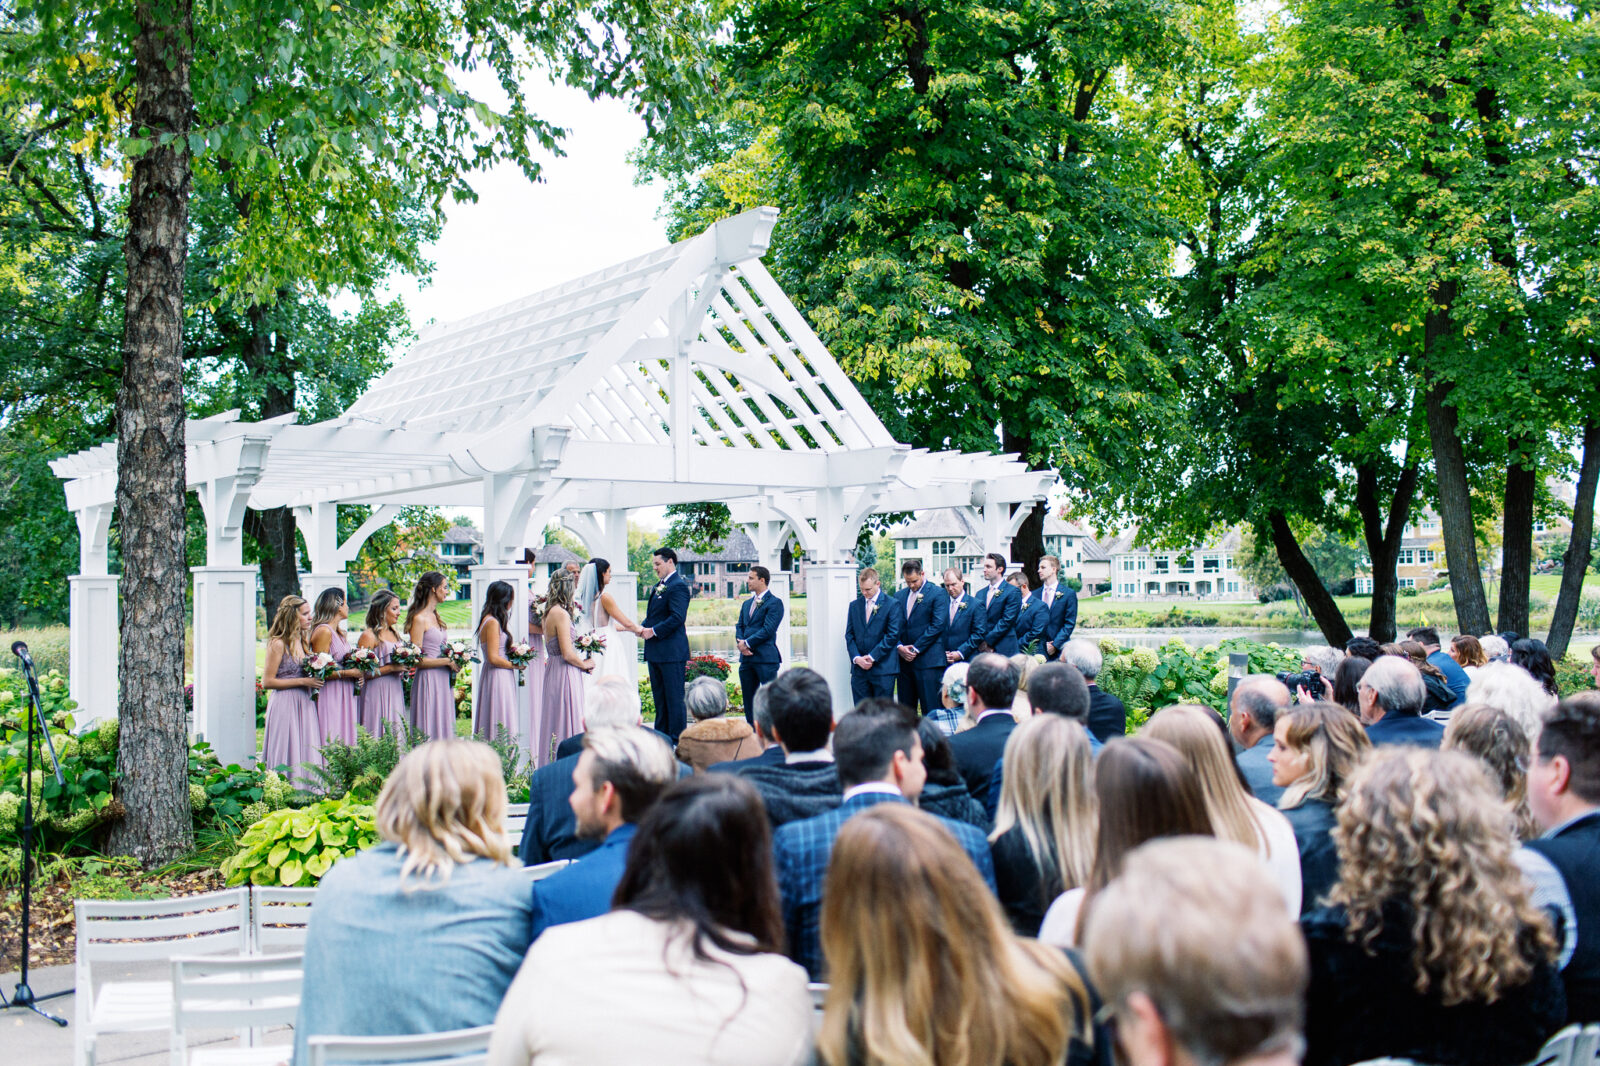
(92, 652)
(829, 589)
(516, 574)
(225, 661)
(781, 587)
(311, 586)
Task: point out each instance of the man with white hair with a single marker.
(1508, 687)
(1107, 716)
(1391, 695)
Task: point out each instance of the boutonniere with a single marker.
(962, 606)
(918, 599)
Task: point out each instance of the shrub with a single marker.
(1407, 591)
(360, 769)
(47, 647)
(1147, 680)
(647, 699)
(295, 848)
(1572, 675)
(706, 666)
(69, 814)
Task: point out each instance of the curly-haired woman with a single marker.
(1430, 948)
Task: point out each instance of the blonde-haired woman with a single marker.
(1430, 948)
(1316, 747)
(922, 965)
(1201, 737)
(294, 736)
(560, 711)
(1496, 738)
(440, 888)
(1044, 831)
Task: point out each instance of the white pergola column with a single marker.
(516, 574)
(225, 607)
(92, 637)
(782, 587)
(319, 525)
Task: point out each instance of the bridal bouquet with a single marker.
(521, 653)
(364, 660)
(405, 654)
(321, 666)
(459, 652)
(590, 644)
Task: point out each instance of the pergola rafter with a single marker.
(681, 376)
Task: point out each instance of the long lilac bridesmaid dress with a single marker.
(433, 696)
(497, 697)
(560, 713)
(336, 702)
(383, 698)
(294, 737)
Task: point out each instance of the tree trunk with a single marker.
(153, 754)
(273, 529)
(1383, 544)
(1450, 467)
(1324, 608)
(1516, 542)
(1576, 563)
(1027, 547)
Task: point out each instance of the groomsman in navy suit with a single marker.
(871, 632)
(666, 642)
(757, 637)
(1001, 603)
(1061, 602)
(961, 615)
(923, 606)
(1033, 616)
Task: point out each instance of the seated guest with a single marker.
(685, 968)
(1143, 789)
(1496, 648)
(551, 832)
(1391, 695)
(1235, 814)
(1494, 737)
(712, 737)
(1021, 706)
(1564, 792)
(1043, 838)
(945, 792)
(1190, 970)
(1465, 649)
(1346, 682)
(879, 758)
(1440, 701)
(991, 686)
(619, 777)
(804, 784)
(1531, 654)
(1058, 689)
(1319, 745)
(953, 696)
(922, 966)
(1107, 716)
(441, 886)
(1253, 711)
(1430, 948)
(1455, 677)
(1362, 648)
(771, 751)
(1512, 689)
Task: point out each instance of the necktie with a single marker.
(955, 605)
(911, 601)
(1049, 594)
(989, 598)
(872, 605)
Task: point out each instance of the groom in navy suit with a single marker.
(925, 611)
(666, 642)
(757, 637)
(872, 629)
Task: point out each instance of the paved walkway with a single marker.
(29, 1040)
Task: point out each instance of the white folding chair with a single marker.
(516, 820)
(278, 918)
(1576, 1045)
(248, 994)
(545, 869)
(213, 923)
(459, 1047)
(819, 992)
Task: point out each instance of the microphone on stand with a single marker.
(20, 650)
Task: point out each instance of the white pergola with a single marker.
(680, 376)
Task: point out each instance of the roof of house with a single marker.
(738, 548)
(555, 553)
(461, 535)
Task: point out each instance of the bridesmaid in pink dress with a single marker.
(561, 713)
(433, 697)
(336, 704)
(293, 738)
(497, 688)
(383, 698)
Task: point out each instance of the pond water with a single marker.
(718, 640)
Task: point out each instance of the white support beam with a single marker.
(232, 467)
(94, 533)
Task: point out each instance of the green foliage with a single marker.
(69, 815)
(514, 764)
(360, 769)
(1572, 675)
(647, 699)
(221, 794)
(700, 527)
(641, 543)
(47, 646)
(706, 666)
(1147, 679)
(294, 848)
(399, 553)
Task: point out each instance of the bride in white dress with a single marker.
(600, 614)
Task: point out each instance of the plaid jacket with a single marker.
(802, 850)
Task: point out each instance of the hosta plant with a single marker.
(295, 847)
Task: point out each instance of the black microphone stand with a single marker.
(23, 996)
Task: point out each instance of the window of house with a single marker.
(1408, 557)
(738, 568)
(1127, 565)
(1227, 562)
(1538, 527)
(1408, 582)
(1210, 564)
(909, 542)
(1426, 555)
(1163, 565)
(1233, 586)
(1185, 564)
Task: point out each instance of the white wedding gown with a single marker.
(620, 659)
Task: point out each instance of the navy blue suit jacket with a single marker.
(924, 629)
(759, 628)
(958, 634)
(1406, 729)
(773, 756)
(876, 637)
(999, 621)
(552, 830)
(1032, 621)
(667, 613)
(582, 890)
(802, 850)
(1063, 616)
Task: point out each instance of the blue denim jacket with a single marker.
(385, 962)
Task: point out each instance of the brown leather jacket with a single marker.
(717, 740)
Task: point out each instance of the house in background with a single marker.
(1203, 572)
(720, 573)
(949, 536)
(461, 550)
